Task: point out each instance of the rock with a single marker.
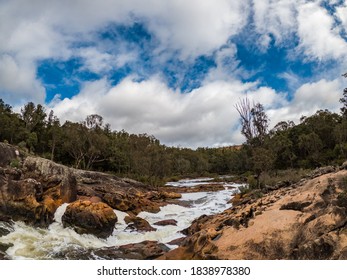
(343, 165)
(86, 217)
(196, 225)
(171, 195)
(169, 222)
(319, 249)
(295, 205)
(120, 194)
(7, 154)
(177, 241)
(146, 250)
(34, 193)
(3, 256)
(23, 200)
(57, 178)
(138, 224)
(321, 171)
(6, 226)
(92, 199)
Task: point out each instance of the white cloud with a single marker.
(96, 61)
(319, 36)
(308, 99)
(195, 27)
(276, 18)
(18, 81)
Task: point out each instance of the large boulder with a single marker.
(57, 180)
(86, 217)
(33, 193)
(22, 200)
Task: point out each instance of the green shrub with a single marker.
(15, 163)
(252, 182)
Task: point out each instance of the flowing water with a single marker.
(35, 243)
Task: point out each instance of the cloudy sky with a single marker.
(176, 68)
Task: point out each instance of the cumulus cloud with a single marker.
(276, 18)
(308, 99)
(18, 81)
(319, 37)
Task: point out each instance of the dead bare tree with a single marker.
(254, 121)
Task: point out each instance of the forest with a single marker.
(318, 140)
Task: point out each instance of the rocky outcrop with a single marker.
(57, 180)
(307, 220)
(34, 192)
(86, 217)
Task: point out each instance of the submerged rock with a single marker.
(138, 224)
(86, 217)
(169, 222)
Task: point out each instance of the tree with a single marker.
(75, 142)
(54, 133)
(34, 119)
(33, 116)
(254, 121)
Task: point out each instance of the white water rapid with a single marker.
(35, 243)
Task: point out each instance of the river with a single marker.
(36, 243)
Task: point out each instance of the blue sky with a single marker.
(170, 68)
